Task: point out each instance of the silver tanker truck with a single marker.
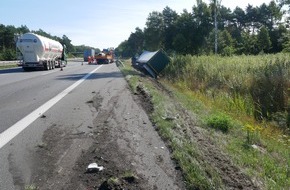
(40, 52)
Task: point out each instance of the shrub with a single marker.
(8, 55)
(228, 51)
(219, 121)
(269, 89)
(259, 82)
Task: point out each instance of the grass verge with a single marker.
(7, 66)
(263, 154)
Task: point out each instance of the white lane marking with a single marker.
(15, 129)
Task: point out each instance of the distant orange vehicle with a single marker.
(106, 56)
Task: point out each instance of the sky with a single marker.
(95, 23)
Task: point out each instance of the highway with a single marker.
(53, 124)
(22, 92)
(57, 98)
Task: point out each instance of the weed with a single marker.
(255, 85)
(129, 177)
(30, 187)
(112, 181)
(219, 121)
(251, 130)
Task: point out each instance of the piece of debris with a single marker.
(168, 118)
(79, 133)
(254, 146)
(41, 145)
(260, 149)
(93, 167)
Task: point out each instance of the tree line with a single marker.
(255, 30)
(9, 33)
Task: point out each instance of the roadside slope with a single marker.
(202, 161)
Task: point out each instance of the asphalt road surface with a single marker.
(50, 121)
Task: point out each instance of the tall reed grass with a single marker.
(256, 85)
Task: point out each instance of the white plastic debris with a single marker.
(254, 146)
(93, 167)
(258, 148)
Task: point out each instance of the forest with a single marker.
(255, 30)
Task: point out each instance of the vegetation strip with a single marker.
(261, 151)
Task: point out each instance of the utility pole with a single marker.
(215, 27)
(216, 4)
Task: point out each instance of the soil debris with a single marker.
(144, 99)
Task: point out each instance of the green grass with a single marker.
(268, 165)
(219, 121)
(228, 85)
(8, 66)
(255, 85)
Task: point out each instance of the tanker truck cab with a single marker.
(62, 61)
(38, 51)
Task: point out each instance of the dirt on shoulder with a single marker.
(122, 140)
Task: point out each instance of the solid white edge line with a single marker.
(15, 129)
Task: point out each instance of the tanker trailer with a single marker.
(38, 51)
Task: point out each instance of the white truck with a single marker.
(40, 52)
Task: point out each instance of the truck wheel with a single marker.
(45, 67)
(49, 65)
